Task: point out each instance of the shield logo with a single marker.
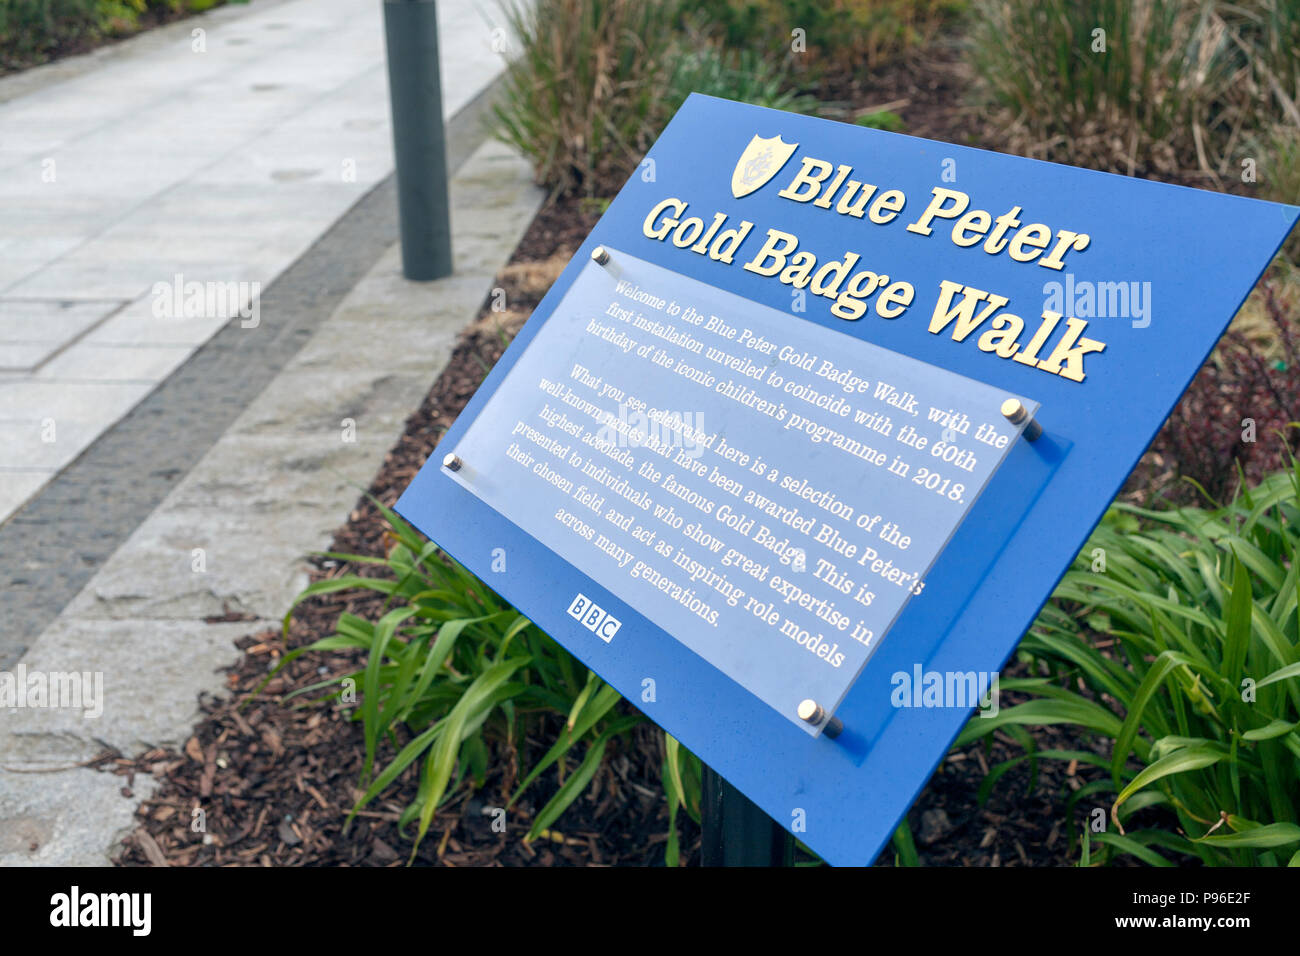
(761, 160)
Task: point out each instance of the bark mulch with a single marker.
(273, 783)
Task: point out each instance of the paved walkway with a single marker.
(233, 533)
(265, 157)
(130, 174)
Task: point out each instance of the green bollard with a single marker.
(419, 144)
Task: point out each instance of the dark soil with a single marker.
(275, 781)
(926, 89)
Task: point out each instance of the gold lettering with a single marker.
(1070, 354)
(1030, 355)
(805, 177)
(937, 209)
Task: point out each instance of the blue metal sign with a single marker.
(810, 427)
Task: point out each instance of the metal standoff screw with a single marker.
(452, 462)
(812, 712)
(600, 254)
(1015, 412)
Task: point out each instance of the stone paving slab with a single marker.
(54, 545)
(32, 835)
(33, 330)
(232, 534)
(219, 156)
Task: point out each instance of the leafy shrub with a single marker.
(701, 65)
(1233, 418)
(30, 28)
(596, 81)
(1178, 84)
(851, 35)
(1182, 629)
(585, 98)
(120, 16)
(32, 31)
(452, 663)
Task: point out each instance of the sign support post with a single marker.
(736, 831)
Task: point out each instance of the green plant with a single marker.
(29, 29)
(703, 66)
(120, 16)
(905, 846)
(596, 81)
(449, 665)
(1175, 638)
(682, 776)
(585, 96)
(829, 34)
(1138, 85)
(32, 31)
(883, 119)
(1266, 34)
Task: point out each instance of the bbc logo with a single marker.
(593, 618)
